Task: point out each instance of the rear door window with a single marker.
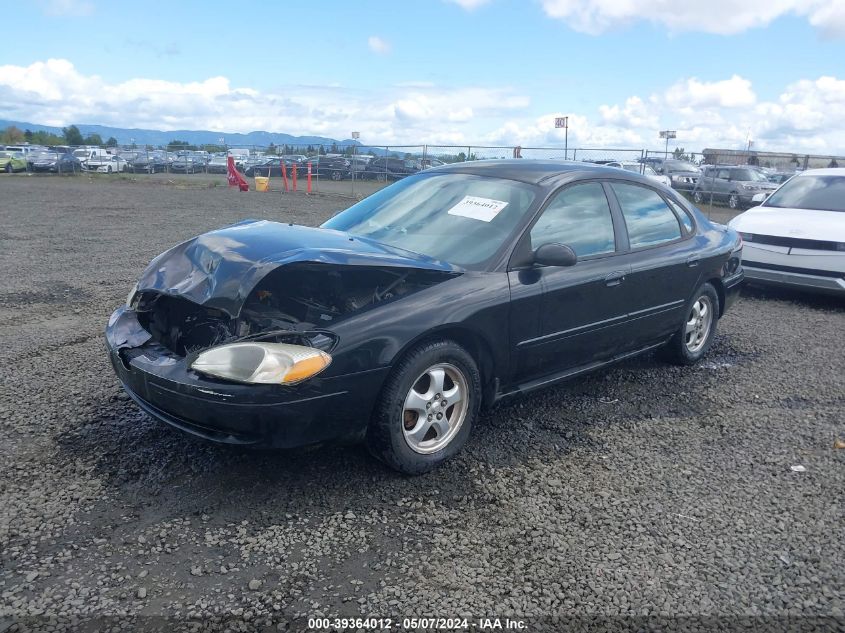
(649, 220)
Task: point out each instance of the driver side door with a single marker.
(583, 311)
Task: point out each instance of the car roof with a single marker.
(532, 171)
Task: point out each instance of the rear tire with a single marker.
(733, 201)
(426, 409)
(698, 198)
(695, 336)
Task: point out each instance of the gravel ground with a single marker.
(643, 490)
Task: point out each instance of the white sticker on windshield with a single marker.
(484, 209)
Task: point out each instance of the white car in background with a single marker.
(797, 236)
(108, 164)
(641, 168)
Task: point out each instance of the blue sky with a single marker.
(438, 71)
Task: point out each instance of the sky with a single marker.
(484, 72)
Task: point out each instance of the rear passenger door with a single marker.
(664, 261)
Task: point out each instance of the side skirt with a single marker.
(552, 379)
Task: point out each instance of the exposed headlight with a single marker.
(747, 237)
(262, 363)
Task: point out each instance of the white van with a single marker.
(84, 154)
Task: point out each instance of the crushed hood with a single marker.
(219, 269)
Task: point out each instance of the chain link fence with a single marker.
(359, 170)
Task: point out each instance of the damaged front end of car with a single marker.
(231, 335)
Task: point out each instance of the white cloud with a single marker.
(807, 115)
(634, 114)
(469, 5)
(735, 92)
(66, 8)
(54, 92)
(378, 45)
(715, 16)
(829, 18)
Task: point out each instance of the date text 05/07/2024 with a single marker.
(412, 624)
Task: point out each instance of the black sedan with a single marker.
(397, 320)
(149, 163)
(56, 162)
(273, 167)
(188, 165)
(391, 168)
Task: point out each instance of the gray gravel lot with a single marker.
(642, 490)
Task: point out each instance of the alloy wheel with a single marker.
(435, 408)
(733, 201)
(698, 325)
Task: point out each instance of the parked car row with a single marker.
(343, 167)
(733, 185)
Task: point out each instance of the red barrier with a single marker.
(284, 175)
(293, 171)
(309, 176)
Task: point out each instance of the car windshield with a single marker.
(824, 193)
(458, 218)
(751, 175)
(635, 167)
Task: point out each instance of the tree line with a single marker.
(71, 135)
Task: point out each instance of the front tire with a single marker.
(695, 336)
(426, 409)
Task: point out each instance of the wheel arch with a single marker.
(473, 342)
(720, 292)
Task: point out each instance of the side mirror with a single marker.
(758, 197)
(554, 254)
(659, 170)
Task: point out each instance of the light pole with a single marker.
(667, 134)
(355, 137)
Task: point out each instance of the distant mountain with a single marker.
(125, 136)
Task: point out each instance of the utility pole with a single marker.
(563, 122)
